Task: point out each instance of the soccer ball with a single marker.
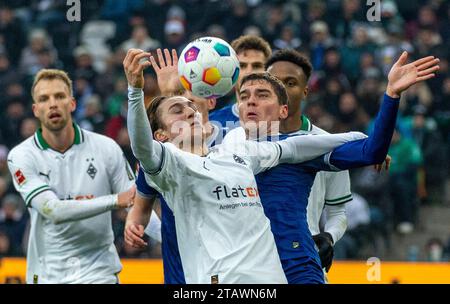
(208, 67)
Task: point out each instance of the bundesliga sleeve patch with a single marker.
(19, 177)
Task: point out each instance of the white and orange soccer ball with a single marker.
(208, 67)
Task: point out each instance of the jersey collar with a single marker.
(43, 145)
(306, 124)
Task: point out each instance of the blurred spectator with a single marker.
(238, 18)
(370, 90)
(8, 74)
(11, 120)
(320, 42)
(351, 13)
(288, 39)
(115, 123)
(5, 245)
(435, 250)
(13, 222)
(140, 39)
(28, 127)
(117, 98)
(425, 134)
(11, 33)
(417, 96)
(83, 91)
(354, 49)
(93, 120)
(5, 176)
(84, 64)
(38, 43)
(358, 221)
(350, 116)
(427, 41)
(174, 35)
(403, 181)
(319, 117)
(390, 16)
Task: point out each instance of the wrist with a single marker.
(392, 93)
(115, 201)
(329, 237)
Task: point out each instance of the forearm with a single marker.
(371, 150)
(336, 221)
(299, 149)
(146, 150)
(141, 211)
(62, 211)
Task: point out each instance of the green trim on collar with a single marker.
(306, 124)
(43, 145)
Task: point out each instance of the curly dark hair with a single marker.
(294, 57)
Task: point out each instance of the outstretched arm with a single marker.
(373, 150)
(146, 150)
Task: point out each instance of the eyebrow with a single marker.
(46, 94)
(189, 103)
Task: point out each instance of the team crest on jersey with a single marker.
(19, 177)
(91, 171)
(239, 160)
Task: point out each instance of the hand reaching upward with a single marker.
(167, 71)
(403, 75)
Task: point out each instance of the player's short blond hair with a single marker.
(51, 74)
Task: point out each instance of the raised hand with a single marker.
(167, 71)
(403, 75)
(134, 67)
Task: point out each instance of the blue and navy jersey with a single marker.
(227, 117)
(172, 265)
(284, 192)
(173, 269)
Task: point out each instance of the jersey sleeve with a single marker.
(26, 178)
(262, 155)
(172, 172)
(120, 172)
(337, 188)
(142, 187)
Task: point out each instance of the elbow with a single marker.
(50, 212)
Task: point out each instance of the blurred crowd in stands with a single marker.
(350, 55)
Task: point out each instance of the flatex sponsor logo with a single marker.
(223, 191)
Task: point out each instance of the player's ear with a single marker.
(73, 105)
(211, 104)
(305, 91)
(34, 109)
(160, 135)
(284, 111)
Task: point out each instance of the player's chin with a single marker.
(56, 124)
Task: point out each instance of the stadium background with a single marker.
(400, 216)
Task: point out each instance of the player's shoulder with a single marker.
(24, 149)
(100, 140)
(315, 130)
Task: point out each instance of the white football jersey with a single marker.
(80, 251)
(329, 188)
(226, 238)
